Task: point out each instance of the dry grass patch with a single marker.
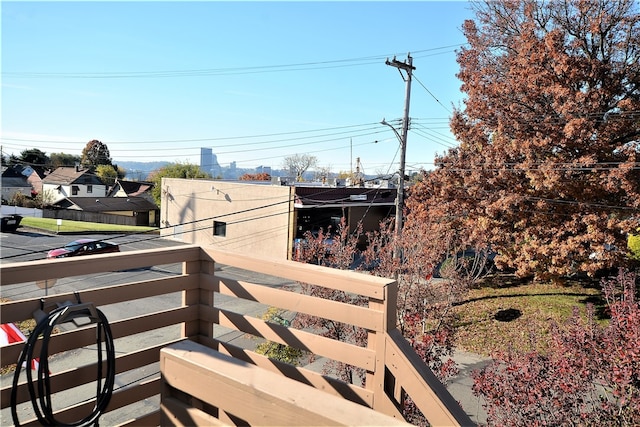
(496, 317)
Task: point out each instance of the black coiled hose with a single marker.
(41, 401)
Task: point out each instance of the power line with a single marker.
(542, 167)
(626, 115)
(305, 139)
(432, 95)
(260, 159)
(217, 138)
(438, 140)
(204, 72)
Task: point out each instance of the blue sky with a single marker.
(254, 81)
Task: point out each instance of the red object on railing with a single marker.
(9, 334)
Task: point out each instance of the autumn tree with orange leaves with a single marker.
(547, 171)
(262, 176)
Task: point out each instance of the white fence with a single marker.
(11, 210)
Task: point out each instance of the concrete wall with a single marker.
(257, 216)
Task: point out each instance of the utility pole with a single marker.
(351, 157)
(408, 68)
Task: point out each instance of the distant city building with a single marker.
(209, 162)
(263, 169)
(231, 172)
(206, 157)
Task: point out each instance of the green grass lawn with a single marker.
(525, 308)
(68, 226)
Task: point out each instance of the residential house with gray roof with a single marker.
(72, 182)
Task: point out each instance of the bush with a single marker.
(274, 350)
(590, 374)
(633, 243)
(18, 199)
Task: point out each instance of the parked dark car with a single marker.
(469, 262)
(84, 247)
(10, 222)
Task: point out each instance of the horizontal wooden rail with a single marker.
(75, 377)
(33, 271)
(343, 280)
(21, 310)
(245, 393)
(363, 317)
(318, 380)
(316, 344)
(13, 311)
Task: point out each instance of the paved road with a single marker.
(30, 245)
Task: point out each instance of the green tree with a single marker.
(173, 170)
(546, 168)
(108, 173)
(63, 159)
(95, 153)
(34, 158)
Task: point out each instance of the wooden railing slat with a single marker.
(345, 313)
(415, 377)
(13, 311)
(344, 280)
(316, 344)
(32, 271)
(322, 382)
(251, 393)
(86, 374)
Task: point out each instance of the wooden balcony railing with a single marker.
(151, 314)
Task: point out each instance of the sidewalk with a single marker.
(460, 385)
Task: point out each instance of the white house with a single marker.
(72, 182)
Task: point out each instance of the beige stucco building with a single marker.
(263, 218)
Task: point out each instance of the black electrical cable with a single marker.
(41, 401)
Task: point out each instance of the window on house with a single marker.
(89, 188)
(219, 228)
(75, 190)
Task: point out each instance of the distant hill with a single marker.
(139, 171)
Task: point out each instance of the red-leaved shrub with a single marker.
(590, 374)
